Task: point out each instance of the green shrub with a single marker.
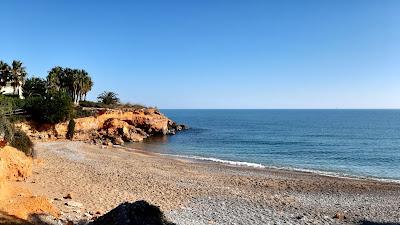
(109, 98)
(16, 138)
(71, 129)
(17, 118)
(22, 142)
(133, 106)
(91, 104)
(80, 112)
(9, 103)
(6, 130)
(55, 107)
(34, 87)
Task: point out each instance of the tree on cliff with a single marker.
(54, 107)
(18, 75)
(15, 74)
(4, 73)
(34, 87)
(76, 82)
(108, 98)
(54, 78)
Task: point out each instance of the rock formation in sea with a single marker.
(108, 126)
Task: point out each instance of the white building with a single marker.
(9, 90)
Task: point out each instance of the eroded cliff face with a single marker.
(109, 126)
(14, 165)
(16, 200)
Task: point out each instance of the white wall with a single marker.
(10, 90)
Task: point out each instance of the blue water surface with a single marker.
(348, 142)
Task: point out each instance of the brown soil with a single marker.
(17, 203)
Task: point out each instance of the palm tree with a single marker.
(18, 75)
(34, 86)
(4, 74)
(53, 78)
(77, 83)
(88, 84)
(108, 98)
(73, 83)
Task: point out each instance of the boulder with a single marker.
(107, 142)
(118, 141)
(136, 137)
(114, 123)
(174, 127)
(137, 213)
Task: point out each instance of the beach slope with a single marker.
(194, 192)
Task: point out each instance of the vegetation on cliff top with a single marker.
(34, 86)
(59, 97)
(53, 107)
(76, 82)
(14, 137)
(14, 74)
(108, 98)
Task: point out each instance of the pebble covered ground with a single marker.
(189, 192)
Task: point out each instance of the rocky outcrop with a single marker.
(110, 126)
(119, 131)
(137, 213)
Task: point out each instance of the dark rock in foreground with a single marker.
(137, 213)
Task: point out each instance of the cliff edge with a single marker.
(108, 126)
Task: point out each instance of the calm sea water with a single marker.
(344, 142)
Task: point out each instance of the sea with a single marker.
(348, 143)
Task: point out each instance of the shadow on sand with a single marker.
(136, 213)
(34, 219)
(6, 219)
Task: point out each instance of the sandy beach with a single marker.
(193, 192)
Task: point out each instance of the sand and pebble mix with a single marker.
(84, 181)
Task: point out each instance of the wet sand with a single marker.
(193, 192)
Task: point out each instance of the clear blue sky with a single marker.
(216, 54)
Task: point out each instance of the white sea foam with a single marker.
(257, 165)
(339, 175)
(235, 163)
(260, 166)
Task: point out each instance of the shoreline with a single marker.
(251, 165)
(200, 192)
